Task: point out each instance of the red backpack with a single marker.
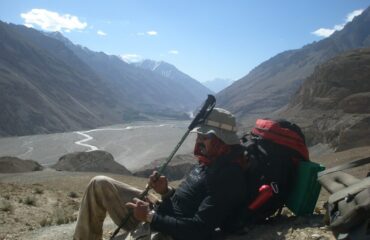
(274, 149)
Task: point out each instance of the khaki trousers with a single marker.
(103, 195)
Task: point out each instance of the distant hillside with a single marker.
(218, 84)
(196, 90)
(333, 104)
(44, 87)
(142, 88)
(271, 85)
(48, 84)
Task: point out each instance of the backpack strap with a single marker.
(355, 163)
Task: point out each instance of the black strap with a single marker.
(352, 164)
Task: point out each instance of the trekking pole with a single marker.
(202, 115)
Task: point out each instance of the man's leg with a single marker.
(102, 195)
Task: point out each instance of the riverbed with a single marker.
(132, 145)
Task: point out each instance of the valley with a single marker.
(132, 145)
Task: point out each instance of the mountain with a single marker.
(196, 89)
(46, 88)
(48, 84)
(218, 84)
(270, 86)
(145, 90)
(333, 104)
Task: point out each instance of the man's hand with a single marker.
(140, 208)
(158, 183)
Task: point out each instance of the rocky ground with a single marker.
(44, 205)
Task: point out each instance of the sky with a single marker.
(205, 39)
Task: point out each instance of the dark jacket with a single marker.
(208, 198)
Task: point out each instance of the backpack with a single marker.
(274, 150)
(348, 206)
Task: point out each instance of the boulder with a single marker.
(94, 161)
(16, 165)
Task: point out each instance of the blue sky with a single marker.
(205, 39)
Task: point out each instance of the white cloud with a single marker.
(131, 57)
(152, 33)
(101, 33)
(52, 21)
(175, 52)
(326, 32)
(354, 14)
(323, 32)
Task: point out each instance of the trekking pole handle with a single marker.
(204, 112)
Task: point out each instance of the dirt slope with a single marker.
(17, 165)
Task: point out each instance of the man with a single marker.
(210, 197)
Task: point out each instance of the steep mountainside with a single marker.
(270, 85)
(49, 85)
(141, 87)
(42, 92)
(333, 104)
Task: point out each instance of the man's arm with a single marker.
(223, 199)
(141, 209)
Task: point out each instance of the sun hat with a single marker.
(220, 123)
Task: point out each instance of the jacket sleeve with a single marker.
(224, 196)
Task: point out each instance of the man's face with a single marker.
(204, 142)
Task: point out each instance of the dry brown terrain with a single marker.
(44, 205)
(31, 201)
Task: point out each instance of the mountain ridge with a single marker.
(34, 104)
(51, 85)
(270, 85)
(123, 73)
(170, 71)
